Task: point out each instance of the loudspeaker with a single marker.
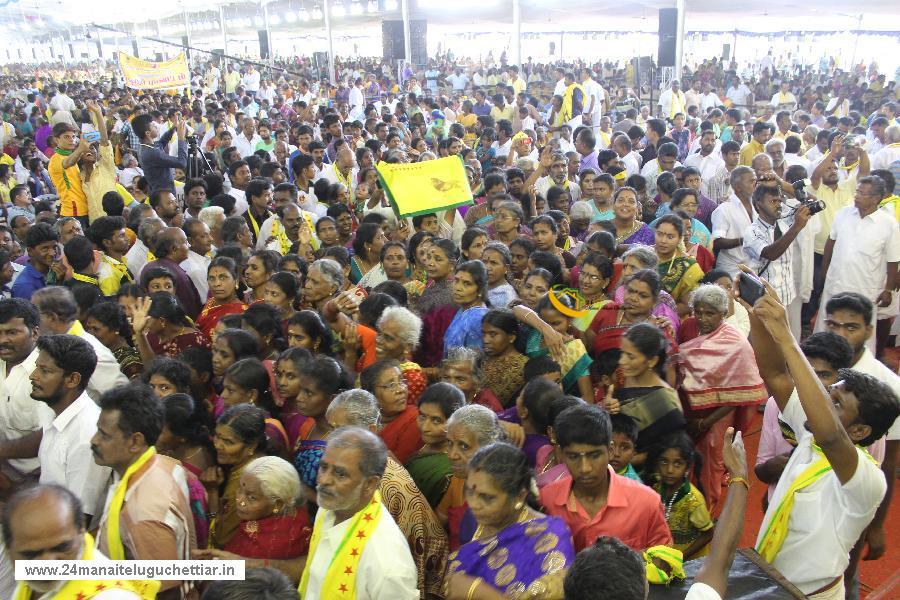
(134, 48)
(668, 18)
(392, 40)
(263, 43)
(726, 52)
(184, 42)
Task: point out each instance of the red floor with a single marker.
(879, 580)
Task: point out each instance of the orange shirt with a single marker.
(633, 513)
(72, 200)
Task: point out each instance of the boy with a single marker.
(624, 442)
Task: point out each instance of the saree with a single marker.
(416, 381)
(178, 344)
(465, 329)
(436, 309)
(453, 507)
(431, 474)
(401, 436)
(644, 235)
(590, 311)
(680, 275)
(211, 313)
(225, 524)
(309, 453)
(278, 537)
(421, 528)
(655, 410)
(528, 559)
(504, 376)
(575, 362)
(665, 307)
(197, 500)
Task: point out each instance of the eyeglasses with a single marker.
(589, 277)
(393, 386)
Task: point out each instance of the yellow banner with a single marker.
(145, 75)
(425, 187)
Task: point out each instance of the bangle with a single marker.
(211, 515)
(475, 584)
(740, 480)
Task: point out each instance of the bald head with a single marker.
(38, 521)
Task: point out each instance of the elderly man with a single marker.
(197, 262)
(172, 249)
(356, 550)
(140, 252)
(409, 508)
(46, 522)
(247, 139)
(672, 101)
(552, 170)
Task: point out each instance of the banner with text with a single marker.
(145, 75)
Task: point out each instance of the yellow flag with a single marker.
(425, 187)
(145, 75)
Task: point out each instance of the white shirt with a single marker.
(672, 103)
(385, 570)
(62, 102)
(266, 93)
(708, 101)
(107, 374)
(862, 247)
(136, 258)
(502, 151)
(560, 88)
(357, 103)
(196, 267)
(651, 173)
(730, 220)
(543, 185)
(458, 82)
(240, 201)
(827, 517)
(778, 272)
(66, 457)
(632, 163)
(709, 167)
(329, 173)
(246, 147)
(840, 111)
(595, 93)
(20, 414)
(788, 101)
(886, 156)
(701, 591)
(250, 81)
(739, 95)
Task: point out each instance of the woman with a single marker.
(544, 232)
(698, 252)
(367, 246)
(384, 380)
(679, 274)
(688, 200)
(398, 335)
(240, 438)
(260, 266)
(274, 523)
(435, 306)
(639, 257)
(721, 383)
(247, 381)
(508, 220)
(473, 241)
(394, 264)
(430, 466)
(645, 396)
(469, 428)
(185, 437)
(503, 363)
(306, 329)
(262, 321)
(231, 345)
(324, 280)
(222, 277)
(469, 295)
(593, 280)
(281, 292)
(535, 286)
(162, 329)
(515, 548)
(519, 251)
(107, 322)
(737, 315)
(629, 227)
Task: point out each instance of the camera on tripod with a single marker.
(814, 206)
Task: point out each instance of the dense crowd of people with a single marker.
(219, 339)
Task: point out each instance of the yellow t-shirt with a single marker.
(73, 202)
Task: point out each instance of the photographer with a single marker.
(154, 156)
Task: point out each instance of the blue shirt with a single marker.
(28, 282)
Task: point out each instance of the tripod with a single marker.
(197, 165)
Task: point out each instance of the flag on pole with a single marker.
(425, 187)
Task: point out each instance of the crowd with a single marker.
(218, 340)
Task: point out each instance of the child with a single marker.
(247, 382)
(497, 260)
(624, 442)
(542, 366)
(550, 466)
(503, 363)
(685, 506)
(532, 411)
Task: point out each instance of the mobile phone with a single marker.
(91, 136)
(751, 288)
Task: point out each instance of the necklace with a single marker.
(635, 225)
(670, 504)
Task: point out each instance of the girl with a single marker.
(247, 382)
(296, 266)
(519, 251)
(231, 346)
(685, 506)
(473, 241)
(306, 329)
(593, 280)
(497, 259)
(367, 246)
(503, 364)
(545, 232)
(287, 378)
(260, 267)
(469, 294)
(281, 292)
(678, 273)
(262, 322)
(223, 281)
(551, 327)
(107, 322)
(127, 297)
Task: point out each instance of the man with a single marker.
(709, 163)
(196, 264)
(239, 175)
(552, 170)
(64, 366)
(64, 172)
(593, 500)
(259, 199)
(140, 254)
(586, 146)
(656, 129)
(171, 250)
(147, 514)
(775, 149)
(247, 140)
(409, 508)
(784, 99)
(517, 83)
(666, 160)
(630, 159)
(154, 155)
(731, 219)
(890, 153)
(593, 105)
(357, 550)
(163, 202)
(839, 105)
(739, 94)
(761, 133)
(830, 489)
(250, 81)
(42, 244)
(59, 314)
(194, 197)
(342, 171)
(671, 101)
(46, 522)
(709, 100)
(457, 79)
(693, 97)
(863, 250)
(108, 234)
(769, 247)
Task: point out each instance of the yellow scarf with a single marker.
(676, 97)
(113, 539)
(84, 589)
(777, 530)
(345, 181)
(254, 223)
(672, 557)
(340, 579)
(568, 101)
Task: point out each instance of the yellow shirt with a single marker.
(73, 201)
(751, 150)
(507, 112)
(231, 81)
(518, 85)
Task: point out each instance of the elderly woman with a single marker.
(469, 295)
(721, 383)
(274, 528)
(398, 335)
(505, 539)
(384, 380)
(737, 315)
(468, 429)
(644, 257)
(399, 494)
(463, 368)
(324, 280)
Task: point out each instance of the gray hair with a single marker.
(61, 222)
(514, 207)
(57, 301)
(461, 354)
(775, 142)
(278, 479)
(711, 295)
(372, 451)
(331, 269)
(761, 156)
(478, 420)
(892, 134)
(738, 172)
(360, 405)
(210, 215)
(645, 254)
(149, 231)
(812, 130)
(501, 249)
(410, 324)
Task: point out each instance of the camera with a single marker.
(191, 140)
(815, 206)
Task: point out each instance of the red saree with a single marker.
(211, 314)
(275, 538)
(401, 436)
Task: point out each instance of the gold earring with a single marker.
(520, 506)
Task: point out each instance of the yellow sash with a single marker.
(345, 181)
(82, 590)
(676, 97)
(86, 279)
(568, 101)
(254, 223)
(340, 579)
(113, 539)
(777, 530)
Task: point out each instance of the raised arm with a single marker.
(816, 177)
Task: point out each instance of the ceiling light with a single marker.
(274, 20)
(303, 15)
(290, 17)
(338, 10)
(356, 8)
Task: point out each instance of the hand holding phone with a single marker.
(750, 288)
